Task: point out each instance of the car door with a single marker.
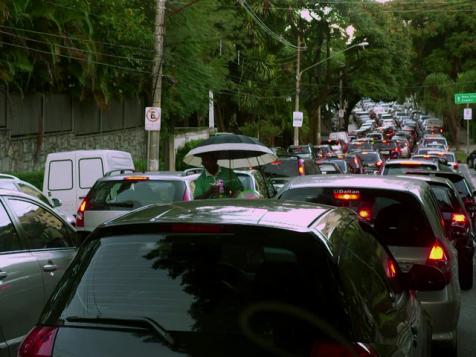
(60, 183)
(396, 315)
(21, 286)
(50, 240)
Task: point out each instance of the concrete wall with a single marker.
(28, 153)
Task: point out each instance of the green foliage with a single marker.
(35, 178)
(265, 130)
(179, 164)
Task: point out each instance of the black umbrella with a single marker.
(233, 151)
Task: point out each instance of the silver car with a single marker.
(112, 196)
(405, 215)
(36, 247)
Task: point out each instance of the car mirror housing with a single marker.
(423, 278)
(56, 202)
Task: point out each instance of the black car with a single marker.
(246, 278)
(471, 159)
(285, 167)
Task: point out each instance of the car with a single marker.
(285, 167)
(302, 151)
(322, 151)
(434, 140)
(236, 278)
(404, 145)
(388, 149)
(458, 226)
(406, 216)
(371, 161)
(397, 167)
(471, 159)
(360, 145)
(112, 196)
(10, 182)
(354, 163)
(36, 246)
(328, 167)
(254, 182)
(342, 163)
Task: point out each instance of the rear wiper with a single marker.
(127, 204)
(125, 321)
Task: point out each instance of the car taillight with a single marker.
(335, 349)
(439, 259)
(301, 167)
(379, 163)
(458, 218)
(364, 213)
(39, 342)
(80, 213)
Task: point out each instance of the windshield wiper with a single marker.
(125, 321)
(127, 204)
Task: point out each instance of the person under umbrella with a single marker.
(216, 181)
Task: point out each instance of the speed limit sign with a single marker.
(152, 118)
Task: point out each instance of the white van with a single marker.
(69, 175)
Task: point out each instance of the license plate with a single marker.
(385, 152)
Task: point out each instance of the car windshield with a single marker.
(204, 283)
(124, 194)
(397, 215)
(401, 168)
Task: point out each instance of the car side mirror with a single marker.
(423, 278)
(56, 202)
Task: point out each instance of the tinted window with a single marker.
(8, 236)
(443, 197)
(282, 167)
(397, 169)
(368, 158)
(33, 192)
(126, 195)
(202, 283)
(42, 229)
(397, 216)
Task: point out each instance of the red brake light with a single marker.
(301, 167)
(365, 213)
(39, 342)
(391, 269)
(437, 253)
(379, 163)
(80, 213)
(332, 348)
(458, 218)
(277, 162)
(136, 178)
(346, 196)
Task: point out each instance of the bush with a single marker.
(35, 178)
(179, 164)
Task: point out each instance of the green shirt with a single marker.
(206, 180)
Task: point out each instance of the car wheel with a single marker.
(466, 274)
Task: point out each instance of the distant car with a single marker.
(471, 159)
(254, 182)
(406, 216)
(322, 151)
(112, 196)
(388, 149)
(10, 182)
(328, 167)
(397, 167)
(285, 167)
(236, 278)
(360, 146)
(354, 163)
(302, 151)
(343, 165)
(371, 161)
(36, 247)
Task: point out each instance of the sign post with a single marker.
(152, 118)
(468, 115)
(297, 119)
(466, 98)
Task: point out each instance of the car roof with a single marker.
(406, 161)
(7, 192)
(296, 216)
(439, 180)
(153, 175)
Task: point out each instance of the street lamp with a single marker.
(298, 83)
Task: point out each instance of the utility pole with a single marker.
(154, 140)
(341, 107)
(319, 125)
(298, 87)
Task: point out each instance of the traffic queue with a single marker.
(358, 246)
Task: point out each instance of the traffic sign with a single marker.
(468, 114)
(465, 98)
(297, 119)
(341, 113)
(152, 118)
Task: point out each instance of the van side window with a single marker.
(60, 176)
(42, 229)
(9, 240)
(89, 171)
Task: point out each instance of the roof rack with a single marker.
(118, 172)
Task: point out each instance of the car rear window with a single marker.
(397, 169)
(389, 145)
(328, 168)
(397, 216)
(124, 194)
(368, 158)
(282, 168)
(360, 146)
(203, 283)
